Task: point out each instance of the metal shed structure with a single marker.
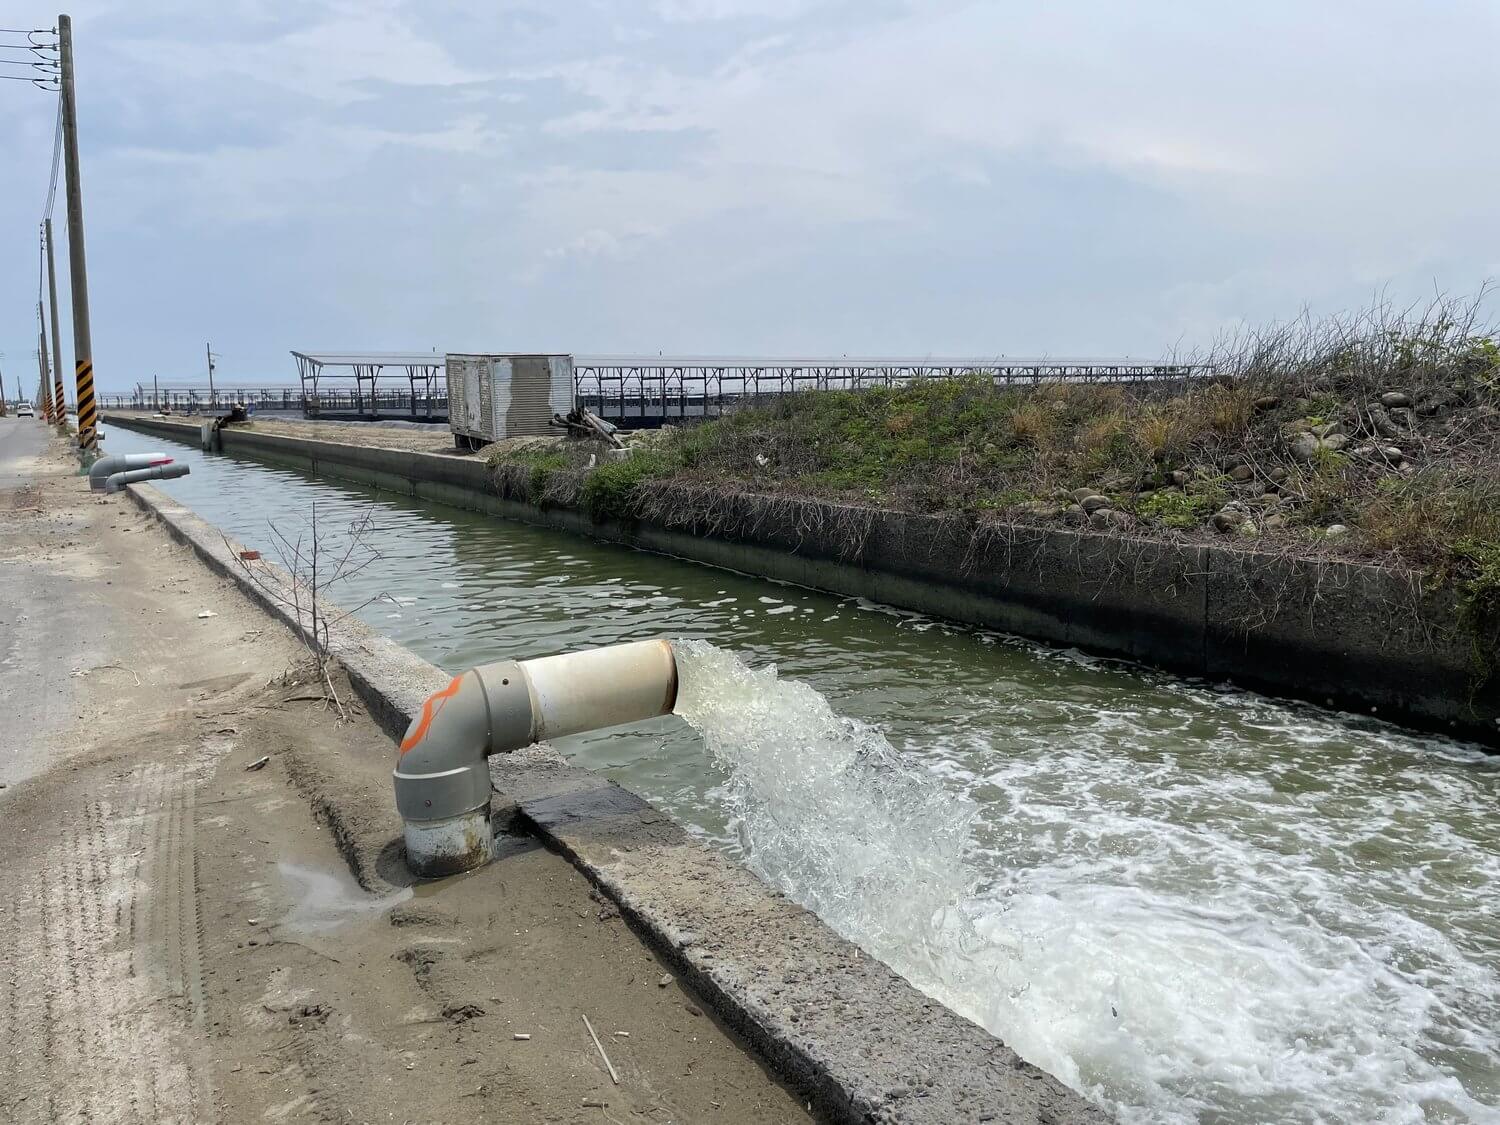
(496, 396)
(369, 385)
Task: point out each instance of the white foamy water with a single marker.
(1231, 939)
(825, 809)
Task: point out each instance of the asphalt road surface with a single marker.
(21, 441)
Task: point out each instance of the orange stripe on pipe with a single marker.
(430, 707)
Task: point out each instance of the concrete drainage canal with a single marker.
(1189, 903)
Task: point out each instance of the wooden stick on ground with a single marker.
(600, 1048)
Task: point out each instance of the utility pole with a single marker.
(208, 351)
(41, 358)
(83, 347)
(155, 395)
(57, 358)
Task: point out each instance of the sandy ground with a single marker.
(192, 940)
(434, 440)
(383, 437)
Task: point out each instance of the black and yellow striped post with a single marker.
(88, 414)
(59, 403)
(58, 398)
(48, 415)
(44, 392)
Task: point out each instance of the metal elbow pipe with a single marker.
(105, 467)
(442, 772)
(116, 481)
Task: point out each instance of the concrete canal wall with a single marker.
(1363, 638)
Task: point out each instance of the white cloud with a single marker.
(945, 176)
(695, 11)
(599, 243)
(331, 58)
(1324, 127)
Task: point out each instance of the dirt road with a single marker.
(190, 939)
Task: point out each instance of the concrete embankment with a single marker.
(1364, 638)
(855, 1039)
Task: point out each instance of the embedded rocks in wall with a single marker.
(1109, 519)
(1385, 424)
(1043, 509)
(1306, 445)
(1435, 402)
(1234, 517)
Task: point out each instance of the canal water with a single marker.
(1189, 902)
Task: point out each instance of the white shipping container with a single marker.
(491, 397)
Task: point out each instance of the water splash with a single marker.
(1171, 970)
(826, 810)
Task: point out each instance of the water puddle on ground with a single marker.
(323, 900)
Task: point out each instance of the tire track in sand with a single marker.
(101, 999)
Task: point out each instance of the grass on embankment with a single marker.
(1375, 438)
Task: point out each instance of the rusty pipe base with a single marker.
(445, 847)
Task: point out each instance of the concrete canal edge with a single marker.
(1363, 638)
(853, 1037)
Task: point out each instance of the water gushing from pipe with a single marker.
(826, 810)
(1164, 1005)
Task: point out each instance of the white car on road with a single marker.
(25, 411)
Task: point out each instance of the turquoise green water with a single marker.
(1193, 903)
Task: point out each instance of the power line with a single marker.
(57, 139)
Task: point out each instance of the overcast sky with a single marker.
(1077, 177)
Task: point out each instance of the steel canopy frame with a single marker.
(366, 369)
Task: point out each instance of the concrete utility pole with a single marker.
(155, 395)
(41, 358)
(57, 358)
(83, 347)
(209, 352)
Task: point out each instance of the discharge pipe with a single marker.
(102, 469)
(442, 771)
(116, 481)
